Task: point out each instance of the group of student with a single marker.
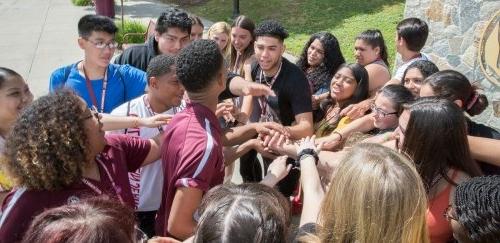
(361, 155)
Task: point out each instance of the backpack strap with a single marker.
(122, 80)
(67, 71)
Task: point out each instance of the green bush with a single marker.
(82, 2)
(131, 26)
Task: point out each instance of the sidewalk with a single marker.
(39, 36)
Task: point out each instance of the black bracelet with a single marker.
(304, 153)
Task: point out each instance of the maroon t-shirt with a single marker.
(123, 154)
(191, 155)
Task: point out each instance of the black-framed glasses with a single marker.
(381, 112)
(448, 215)
(102, 45)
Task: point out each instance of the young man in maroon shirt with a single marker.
(192, 154)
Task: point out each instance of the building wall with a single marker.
(455, 42)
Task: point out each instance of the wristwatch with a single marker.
(304, 153)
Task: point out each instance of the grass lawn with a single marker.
(344, 18)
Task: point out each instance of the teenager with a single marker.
(192, 153)
(411, 35)
(455, 87)
(15, 95)
(57, 154)
(164, 97)
(443, 161)
(94, 79)
(197, 28)
(320, 59)
(416, 73)
(220, 32)
(475, 212)
(172, 33)
(291, 107)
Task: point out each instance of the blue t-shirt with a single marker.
(124, 83)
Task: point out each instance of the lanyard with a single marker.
(96, 189)
(263, 99)
(152, 113)
(91, 90)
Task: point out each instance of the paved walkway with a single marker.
(40, 35)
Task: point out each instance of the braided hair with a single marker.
(477, 206)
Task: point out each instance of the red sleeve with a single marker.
(199, 161)
(135, 149)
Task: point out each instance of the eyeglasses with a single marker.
(93, 113)
(380, 112)
(102, 45)
(140, 236)
(447, 214)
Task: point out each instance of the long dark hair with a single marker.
(360, 93)
(453, 85)
(331, 62)
(374, 38)
(436, 140)
(246, 23)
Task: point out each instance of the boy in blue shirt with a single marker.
(94, 79)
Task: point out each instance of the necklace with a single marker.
(263, 99)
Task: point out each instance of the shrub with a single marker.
(130, 26)
(82, 2)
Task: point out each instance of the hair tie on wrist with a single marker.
(338, 133)
(473, 101)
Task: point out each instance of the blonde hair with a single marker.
(376, 195)
(222, 27)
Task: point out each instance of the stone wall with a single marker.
(456, 27)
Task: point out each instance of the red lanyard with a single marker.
(99, 191)
(91, 90)
(263, 99)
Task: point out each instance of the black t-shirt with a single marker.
(293, 95)
(480, 130)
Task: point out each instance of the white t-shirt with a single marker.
(401, 70)
(147, 182)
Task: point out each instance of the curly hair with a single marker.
(271, 28)
(48, 145)
(160, 65)
(173, 18)
(331, 62)
(478, 209)
(198, 65)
